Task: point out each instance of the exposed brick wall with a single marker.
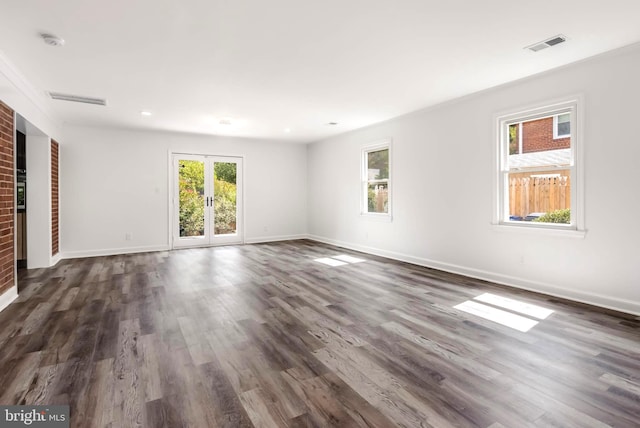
(7, 199)
(54, 198)
(537, 135)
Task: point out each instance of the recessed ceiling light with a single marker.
(52, 40)
(145, 113)
(228, 122)
(287, 130)
(332, 123)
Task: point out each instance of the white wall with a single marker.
(114, 182)
(442, 182)
(38, 201)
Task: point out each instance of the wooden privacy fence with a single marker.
(379, 198)
(529, 193)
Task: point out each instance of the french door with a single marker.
(207, 200)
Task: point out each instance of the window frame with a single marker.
(500, 219)
(556, 135)
(364, 180)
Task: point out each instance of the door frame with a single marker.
(172, 197)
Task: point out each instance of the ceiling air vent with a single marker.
(547, 43)
(78, 99)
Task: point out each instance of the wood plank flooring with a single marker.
(265, 336)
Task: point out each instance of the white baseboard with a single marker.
(151, 248)
(113, 251)
(608, 302)
(274, 238)
(56, 258)
(8, 296)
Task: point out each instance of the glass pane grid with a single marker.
(378, 164)
(540, 196)
(378, 198)
(224, 200)
(537, 165)
(377, 181)
(191, 198)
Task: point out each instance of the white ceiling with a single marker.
(291, 63)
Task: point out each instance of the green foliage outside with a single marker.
(224, 200)
(225, 171)
(379, 160)
(558, 216)
(371, 200)
(191, 195)
(377, 203)
(513, 139)
(191, 182)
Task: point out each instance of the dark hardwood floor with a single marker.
(263, 335)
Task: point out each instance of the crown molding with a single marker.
(25, 99)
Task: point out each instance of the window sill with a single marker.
(383, 218)
(539, 230)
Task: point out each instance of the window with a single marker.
(562, 126)
(376, 180)
(537, 176)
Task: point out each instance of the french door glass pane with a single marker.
(224, 203)
(191, 188)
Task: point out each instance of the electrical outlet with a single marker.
(266, 229)
(127, 236)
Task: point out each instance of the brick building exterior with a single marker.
(537, 136)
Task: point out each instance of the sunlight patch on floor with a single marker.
(348, 259)
(508, 319)
(515, 305)
(339, 260)
(330, 262)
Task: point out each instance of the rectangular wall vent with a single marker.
(77, 99)
(547, 43)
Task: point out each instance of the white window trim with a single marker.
(557, 136)
(500, 216)
(373, 147)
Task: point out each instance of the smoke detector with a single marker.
(52, 40)
(555, 40)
